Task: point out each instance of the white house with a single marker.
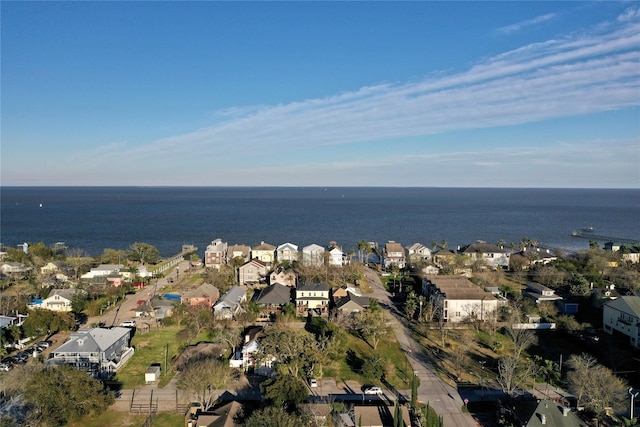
(99, 351)
(103, 270)
(264, 252)
(313, 255)
(623, 315)
(458, 299)
(287, 252)
(59, 300)
(336, 257)
(393, 254)
(492, 255)
(418, 251)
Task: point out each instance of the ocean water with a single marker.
(94, 218)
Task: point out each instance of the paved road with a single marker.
(443, 398)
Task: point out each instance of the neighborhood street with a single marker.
(443, 398)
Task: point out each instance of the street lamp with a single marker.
(632, 394)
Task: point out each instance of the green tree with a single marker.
(293, 348)
(373, 367)
(272, 416)
(61, 394)
(372, 326)
(143, 253)
(284, 391)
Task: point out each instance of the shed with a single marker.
(152, 375)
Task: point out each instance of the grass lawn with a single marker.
(150, 348)
(388, 348)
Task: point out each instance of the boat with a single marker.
(587, 229)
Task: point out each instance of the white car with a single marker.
(313, 382)
(373, 390)
(129, 323)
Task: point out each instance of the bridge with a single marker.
(602, 238)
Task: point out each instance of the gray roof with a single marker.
(357, 299)
(275, 294)
(531, 414)
(627, 304)
(313, 286)
(205, 290)
(234, 295)
(94, 340)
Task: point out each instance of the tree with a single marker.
(373, 367)
(203, 378)
(511, 375)
(372, 326)
(594, 385)
(284, 391)
(113, 256)
(61, 394)
(272, 416)
(363, 249)
(292, 348)
(143, 253)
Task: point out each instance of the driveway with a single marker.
(442, 397)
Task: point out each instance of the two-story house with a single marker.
(99, 350)
(622, 315)
(271, 299)
(313, 255)
(312, 297)
(393, 254)
(493, 256)
(252, 272)
(287, 252)
(229, 304)
(458, 299)
(418, 251)
(264, 252)
(59, 300)
(215, 256)
(336, 256)
(238, 251)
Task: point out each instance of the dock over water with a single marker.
(599, 237)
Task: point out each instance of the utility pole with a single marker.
(633, 395)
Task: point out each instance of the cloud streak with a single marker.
(508, 29)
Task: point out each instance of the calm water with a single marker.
(94, 218)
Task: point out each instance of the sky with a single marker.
(400, 94)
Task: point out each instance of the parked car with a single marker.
(5, 367)
(129, 323)
(373, 390)
(313, 382)
(44, 344)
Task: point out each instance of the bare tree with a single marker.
(512, 375)
(203, 378)
(372, 326)
(595, 385)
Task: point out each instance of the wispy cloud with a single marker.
(580, 74)
(508, 29)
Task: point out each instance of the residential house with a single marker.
(216, 254)
(100, 351)
(458, 299)
(531, 255)
(271, 299)
(50, 269)
(539, 413)
(492, 256)
(102, 270)
(287, 252)
(246, 357)
(115, 280)
(15, 269)
(336, 256)
(622, 315)
(252, 271)
(287, 277)
(312, 296)
(540, 293)
(238, 251)
(58, 300)
(443, 257)
(632, 257)
(342, 292)
(418, 251)
(205, 294)
(393, 255)
(229, 304)
(352, 303)
(158, 307)
(264, 252)
(313, 255)
(223, 415)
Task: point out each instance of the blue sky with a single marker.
(450, 94)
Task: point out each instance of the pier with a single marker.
(599, 237)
